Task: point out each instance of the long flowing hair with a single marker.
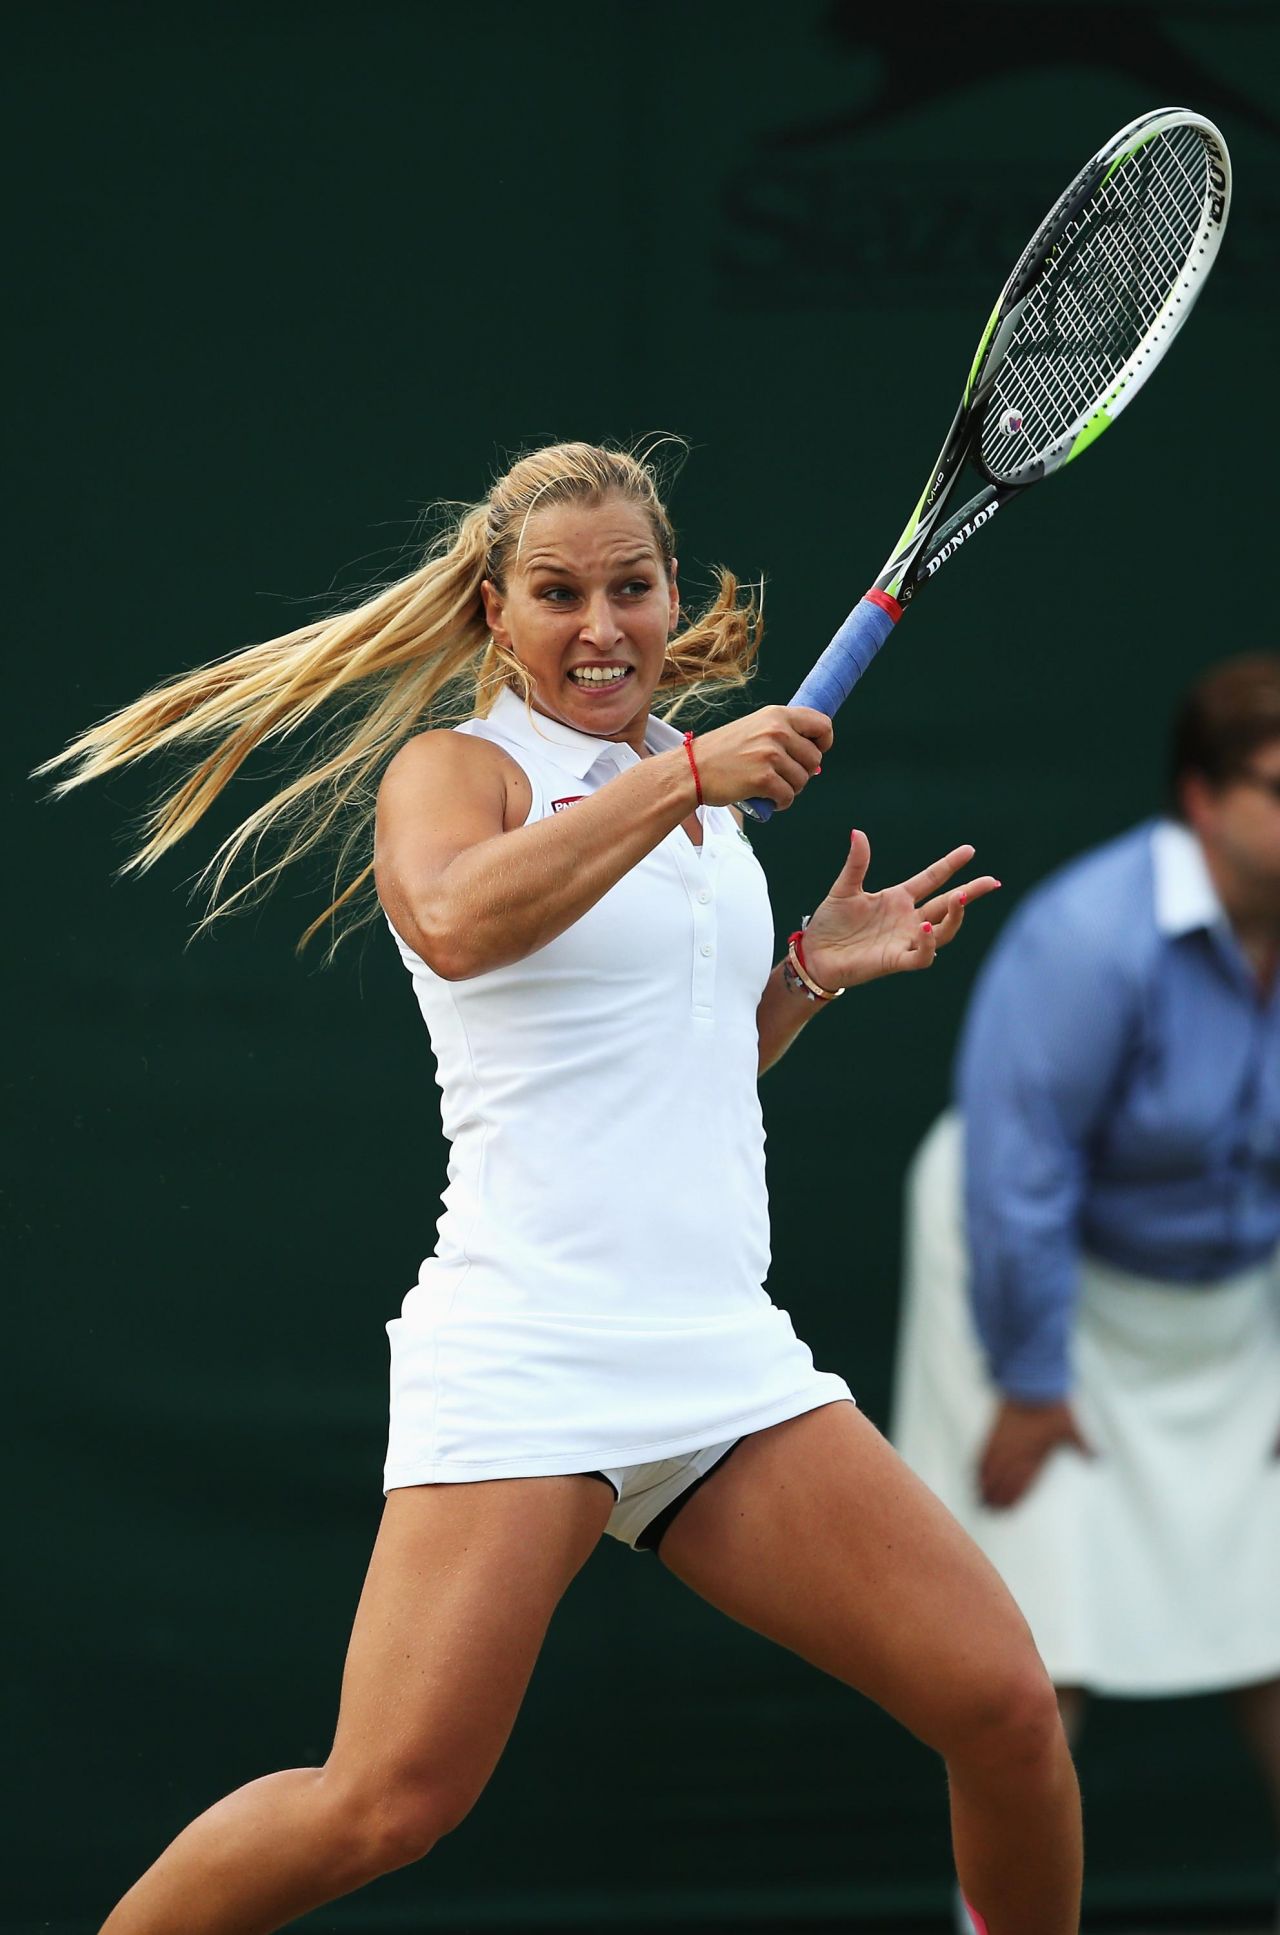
(352, 687)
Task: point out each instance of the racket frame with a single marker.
(916, 558)
(927, 541)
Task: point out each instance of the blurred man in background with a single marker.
(1089, 1366)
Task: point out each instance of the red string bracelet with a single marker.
(800, 968)
(697, 782)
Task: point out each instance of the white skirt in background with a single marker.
(1153, 1567)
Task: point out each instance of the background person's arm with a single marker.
(1043, 1048)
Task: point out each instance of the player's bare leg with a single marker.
(461, 1586)
(1072, 1704)
(815, 1534)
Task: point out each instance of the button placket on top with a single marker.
(698, 868)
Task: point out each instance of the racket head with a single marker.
(1098, 295)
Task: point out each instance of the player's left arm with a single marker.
(857, 936)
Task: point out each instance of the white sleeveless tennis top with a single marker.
(595, 1297)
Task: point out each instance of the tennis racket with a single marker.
(1094, 301)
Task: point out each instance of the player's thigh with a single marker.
(460, 1589)
(817, 1535)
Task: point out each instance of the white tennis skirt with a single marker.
(1154, 1566)
(481, 1394)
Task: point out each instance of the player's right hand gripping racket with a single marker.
(1094, 301)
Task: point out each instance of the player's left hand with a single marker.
(856, 936)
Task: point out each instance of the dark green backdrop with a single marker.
(280, 274)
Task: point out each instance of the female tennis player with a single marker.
(590, 1348)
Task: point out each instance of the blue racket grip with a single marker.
(836, 673)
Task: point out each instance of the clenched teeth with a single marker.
(598, 674)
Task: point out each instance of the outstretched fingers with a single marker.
(848, 882)
(947, 911)
(920, 952)
(913, 946)
(929, 879)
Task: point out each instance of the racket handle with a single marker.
(846, 658)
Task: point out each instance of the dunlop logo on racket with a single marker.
(953, 544)
(1091, 308)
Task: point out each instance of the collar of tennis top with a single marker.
(576, 752)
(1184, 891)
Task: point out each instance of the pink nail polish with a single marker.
(963, 898)
(926, 927)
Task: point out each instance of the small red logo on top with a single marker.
(558, 806)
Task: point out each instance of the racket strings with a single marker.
(1113, 269)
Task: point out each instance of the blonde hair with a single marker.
(356, 685)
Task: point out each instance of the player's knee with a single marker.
(1014, 1723)
(388, 1822)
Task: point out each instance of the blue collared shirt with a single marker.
(1119, 1078)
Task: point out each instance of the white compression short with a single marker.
(649, 1496)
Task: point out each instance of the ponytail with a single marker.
(354, 687)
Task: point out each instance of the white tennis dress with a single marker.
(596, 1294)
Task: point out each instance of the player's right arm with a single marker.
(470, 887)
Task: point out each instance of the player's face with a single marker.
(588, 609)
(1240, 821)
